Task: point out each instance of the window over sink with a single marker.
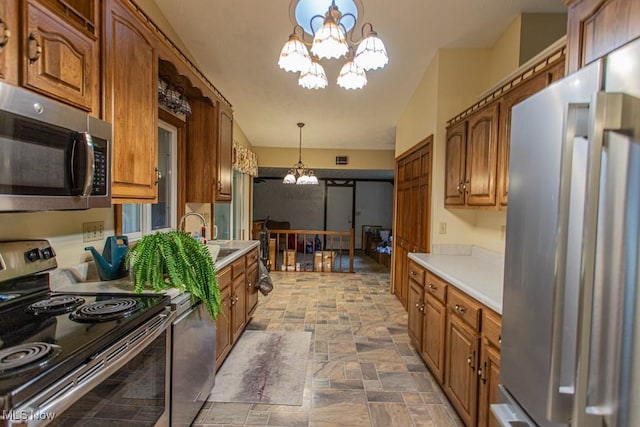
(140, 219)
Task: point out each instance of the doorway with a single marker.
(339, 212)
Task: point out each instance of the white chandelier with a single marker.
(334, 39)
(299, 173)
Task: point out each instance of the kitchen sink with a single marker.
(226, 251)
(218, 252)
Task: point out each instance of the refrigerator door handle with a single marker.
(619, 113)
(559, 395)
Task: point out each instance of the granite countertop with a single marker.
(84, 278)
(477, 272)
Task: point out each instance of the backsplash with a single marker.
(486, 255)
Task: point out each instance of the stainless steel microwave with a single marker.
(52, 156)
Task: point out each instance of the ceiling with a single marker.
(237, 43)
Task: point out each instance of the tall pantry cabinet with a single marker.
(413, 211)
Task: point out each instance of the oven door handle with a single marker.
(44, 407)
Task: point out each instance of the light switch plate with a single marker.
(443, 228)
(92, 231)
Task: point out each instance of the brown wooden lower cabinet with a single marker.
(461, 361)
(223, 322)
(239, 301)
(459, 340)
(433, 336)
(489, 370)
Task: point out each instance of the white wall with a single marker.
(62, 229)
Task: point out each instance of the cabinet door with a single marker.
(131, 105)
(238, 309)
(433, 336)
(252, 292)
(461, 379)
(201, 152)
(59, 60)
(400, 273)
(456, 152)
(482, 156)
(9, 41)
(489, 376)
(596, 27)
(415, 204)
(400, 201)
(517, 95)
(415, 307)
(423, 240)
(223, 326)
(225, 147)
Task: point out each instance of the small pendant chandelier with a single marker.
(299, 173)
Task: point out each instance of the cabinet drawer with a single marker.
(224, 277)
(416, 273)
(492, 327)
(252, 257)
(464, 307)
(436, 286)
(237, 267)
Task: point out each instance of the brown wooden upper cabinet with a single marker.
(9, 42)
(225, 148)
(59, 60)
(201, 152)
(52, 49)
(471, 162)
(131, 104)
(596, 27)
(518, 94)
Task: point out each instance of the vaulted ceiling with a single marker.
(236, 43)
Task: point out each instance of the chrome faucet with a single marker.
(199, 215)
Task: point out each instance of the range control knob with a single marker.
(48, 253)
(32, 254)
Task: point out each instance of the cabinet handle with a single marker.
(413, 273)
(500, 339)
(460, 186)
(158, 176)
(483, 371)
(5, 34)
(219, 185)
(460, 309)
(38, 49)
(471, 360)
(433, 287)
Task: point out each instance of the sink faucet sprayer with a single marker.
(203, 230)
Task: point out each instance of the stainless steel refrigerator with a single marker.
(571, 312)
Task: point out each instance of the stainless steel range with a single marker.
(72, 359)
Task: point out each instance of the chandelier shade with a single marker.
(329, 41)
(299, 174)
(371, 53)
(334, 39)
(314, 77)
(294, 56)
(352, 76)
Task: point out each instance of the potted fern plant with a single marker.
(175, 260)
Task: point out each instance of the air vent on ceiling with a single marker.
(342, 160)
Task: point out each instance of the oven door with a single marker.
(129, 381)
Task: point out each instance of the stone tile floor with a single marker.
(362, 370)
